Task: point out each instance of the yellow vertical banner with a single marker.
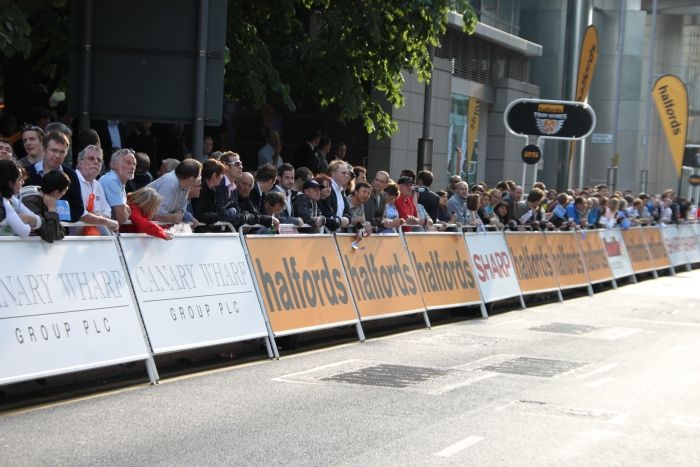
(473, 124)
(671, 98)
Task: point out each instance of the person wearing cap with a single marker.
(306, 204)
(406, 204)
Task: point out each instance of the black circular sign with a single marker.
(694, 180)
(552, 119)
(531, 154)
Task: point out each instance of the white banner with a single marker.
(193, 291)
(64, 307)
(675, 244)
(691, 241)
(493, 266)
(618, 258)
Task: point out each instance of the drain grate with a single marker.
(390, 376)
(528, 366)
(566, 328)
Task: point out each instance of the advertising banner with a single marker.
(445, 275)
(691, 241)
(380, 274)
(193, 291)
(473, 124)
(567, 259)
(671, 99)
(637, 250)
(302, 282)
(493, 266)
(675, 244)
(64, 307)
(657, 247)
(595, 256)
(618, 258)
(532, 261)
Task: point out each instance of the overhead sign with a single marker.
(531, 154)
(694, 180)
(445, 275)
(671, 99)
(381, 276)
(64, 307)
(550, 119)
(193, 291)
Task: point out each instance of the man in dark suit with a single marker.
(426, 197)
(264, 181)
(55, 150)
(285, 185)
(112, 137)
(337, 206)
(305, 154)
(374, 207)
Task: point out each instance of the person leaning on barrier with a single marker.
(391, 221)
(306, 205)
(174, 187)
(55, 148)
(357, 209)
(265, 178)
(374, 207)
(456, 205)
(529, 212)
(97, 209)
(15, 217)
(559, 215)
(502, 219)
(143, 205)
(208, 207)
(577, 213)
(248, 212)
(42, 202)
(123, 164)
(406, 204)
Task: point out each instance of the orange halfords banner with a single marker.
(302, 282)
(657, 247)
(568, 263)
(637, 250)
(444, 272)
(381, 276)
(473, 122)
(595, 256)
(671, 98)
(533, 263)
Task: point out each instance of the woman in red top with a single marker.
(144, 204)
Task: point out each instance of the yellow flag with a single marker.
(671, 98)
(473, 122)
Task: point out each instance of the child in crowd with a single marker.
(15, 218)
(42, 201)
(143, 204)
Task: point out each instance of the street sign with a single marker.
(550, 119)
(602, 138)
(531, 154)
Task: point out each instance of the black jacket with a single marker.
(73, 196)
(431, 203)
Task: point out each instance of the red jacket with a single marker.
(142, 224)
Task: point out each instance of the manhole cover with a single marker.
(565, 328)
(528, 366)
(391, 376)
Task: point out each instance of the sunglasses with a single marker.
(29, 127)
(236, 163)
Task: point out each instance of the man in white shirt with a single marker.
(97, 210)
(340, 177)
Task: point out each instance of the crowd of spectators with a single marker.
(122, 190)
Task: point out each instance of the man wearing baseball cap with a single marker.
(306, 204)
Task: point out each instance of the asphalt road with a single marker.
(612, 379)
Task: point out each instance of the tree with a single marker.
(334, 53)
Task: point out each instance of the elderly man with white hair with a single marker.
(97, 209)
(123, 165)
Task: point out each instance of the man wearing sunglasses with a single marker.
(97, 210)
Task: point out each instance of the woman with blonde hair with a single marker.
(144, 204)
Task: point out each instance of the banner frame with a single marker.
(556, 289)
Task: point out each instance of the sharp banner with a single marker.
(65, 307)
(445, 275)
(380, 275)
(302, 282)
(193, 291)
(493, 266)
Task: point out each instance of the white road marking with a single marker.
(284, 377)
(600, 382)
(684, 420)
(622, 333)
(602, 369)
(453, 449)
(452, 387)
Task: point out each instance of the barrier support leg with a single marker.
(655, 274)
(427, 319)
(634, 279)
(688, 267)
(522, 302)
(589, 287)
(561, 297)
(482, 307)
(673, 270)
(152, 371)
(613, 282)
(360, 331)
(270, 343)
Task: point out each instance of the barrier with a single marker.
(691, 241)
(445, 274)
(566, 256)
(533, 263)
(302, 283)
(618, 258)
(637, 250)
(193, 291)
(595, 257)
(381, 276)
(656, 247)
(493, 266)
(65, 307)
(675, 245)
